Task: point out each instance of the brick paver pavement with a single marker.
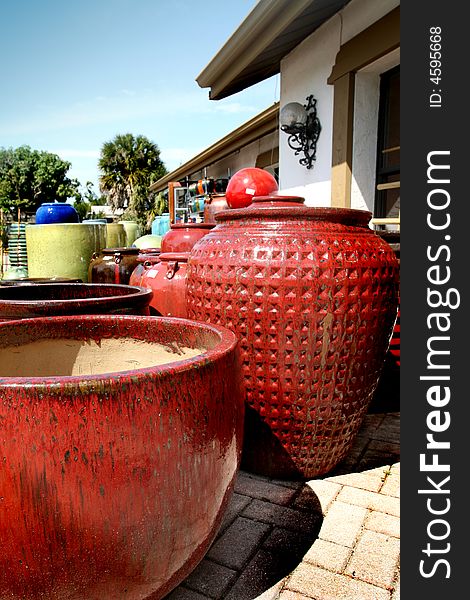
(332, 538)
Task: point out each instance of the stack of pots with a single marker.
(167, 276)
(312, 295)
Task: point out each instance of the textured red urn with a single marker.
(312, 295)
(51, 299)
(167, 280)
(113, 482)
(182, 236)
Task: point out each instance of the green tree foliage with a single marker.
(84, 200)
(30, 177)
(128, 166)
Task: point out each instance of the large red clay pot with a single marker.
(113, 481)
(182, 236)
(145, 259)
(312, 295)
(167, 280)
(50, 299)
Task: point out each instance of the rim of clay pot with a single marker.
(120, 250)
(277, 206)
(38, 225)
(192, 226)
(180, 256)
(19, 302)
(134, 326)
(42, 280)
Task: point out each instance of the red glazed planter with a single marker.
(113, 485)
(146, 258)
(113, 265)
(312, 295)
(182, 236)
(167, 280)
(214, 204)
(45, 300)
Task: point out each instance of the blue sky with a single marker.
(76, 73)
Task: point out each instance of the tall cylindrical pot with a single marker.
(312, 295)
(63, 249)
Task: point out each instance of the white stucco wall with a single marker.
(305, 71)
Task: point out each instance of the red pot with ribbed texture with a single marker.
(312, 295)
(51, 299)
(145, 259)
(181, 237)
(121, 438)
(167, 280)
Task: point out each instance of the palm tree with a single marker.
(128, 166)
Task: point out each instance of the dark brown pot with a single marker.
(113, 265)
(312, 295)
(113, 484)
(50, 299)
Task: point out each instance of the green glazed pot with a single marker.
(63, 249)
(116, 235)
(132, 230)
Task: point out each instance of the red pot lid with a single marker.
(277, 206)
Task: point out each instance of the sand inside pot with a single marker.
(66, 357)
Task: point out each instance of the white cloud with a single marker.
(120, 107)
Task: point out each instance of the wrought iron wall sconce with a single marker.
(302, 126)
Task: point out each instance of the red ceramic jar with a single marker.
(214, 204)
(182, 236)
(145, 259)
(51, 299)
(113, 265)
(167, 280)
(312, 295)
(114, 484)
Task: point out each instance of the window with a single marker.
(387, 198)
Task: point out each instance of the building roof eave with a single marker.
(255, 50)
(262, 124)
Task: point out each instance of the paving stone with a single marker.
(294, 485)
(371, 480)
(328, 555)
(396, 591)
(388, 430)
(383, 523)
(375, 559)
(370, 500)
(391, 447)
(264, 490)
(343, 523)
(182, 593)
(391, 486)
(282, 516)
(211, 579)
(239, 542)
(289, 595)
(292, 544)
(326, 492)
(236, 505)
(263, 577)
(320, 584)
